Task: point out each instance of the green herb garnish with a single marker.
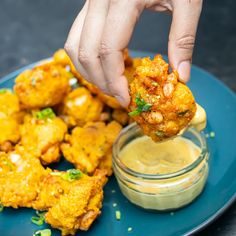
(46, 113)
(39, 219)
(44, 232)
(118, 215)
(142, 106)
(129, 229)
(70, 175)
(2, 91)
(212, 134)
(1, 207)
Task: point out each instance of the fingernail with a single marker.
(184, 69)
(121, 100)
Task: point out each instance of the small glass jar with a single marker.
(162, 192)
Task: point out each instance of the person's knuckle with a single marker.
(105, 50)
(68, 48)
(83, 56)
(185, 42)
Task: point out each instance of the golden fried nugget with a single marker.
(20, 176)
(10, 132)
(160, 104)
(9, 120)
(43, 86)
(78, 208)
(60, 57)
(71, 205)
(42, 137)
(9, 103)
(87, 147)
(80, 107)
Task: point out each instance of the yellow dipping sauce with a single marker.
(148, 157)
(160, 176)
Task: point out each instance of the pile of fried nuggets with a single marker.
(46, 118)
(54, 112)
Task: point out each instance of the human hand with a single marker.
(103, 28)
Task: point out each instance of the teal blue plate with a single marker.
(219, 193)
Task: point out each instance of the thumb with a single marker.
(185, 19)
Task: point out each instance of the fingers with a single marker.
(90, 42)
(73, 40)
(120, 22)
(186, 15)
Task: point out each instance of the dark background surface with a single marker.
(32, 30)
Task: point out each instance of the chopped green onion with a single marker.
(44, 232)
(1, 207)
(2, 91)
(39, 219)
(134, 113)
(72, 174)
(69, 175)
(142, 106)
(118, 215)
(46, 113)
(129, 229)
(212, 134)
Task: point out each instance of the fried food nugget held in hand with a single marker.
(73, 202)
(42, 134)
(80, 107)
(43, 86)
(160, 104)
(20, 177)
(89, 146)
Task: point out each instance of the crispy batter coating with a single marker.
(160, 104)
(42, 137)
(88, 195)
(9, 103)
(20, 176)
(42, 86)
(89, 146)
(10, 132)
(71, 205)
(79, 107)
(61, 58)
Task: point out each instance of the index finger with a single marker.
(120, 22)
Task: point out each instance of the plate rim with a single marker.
(224, 207)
